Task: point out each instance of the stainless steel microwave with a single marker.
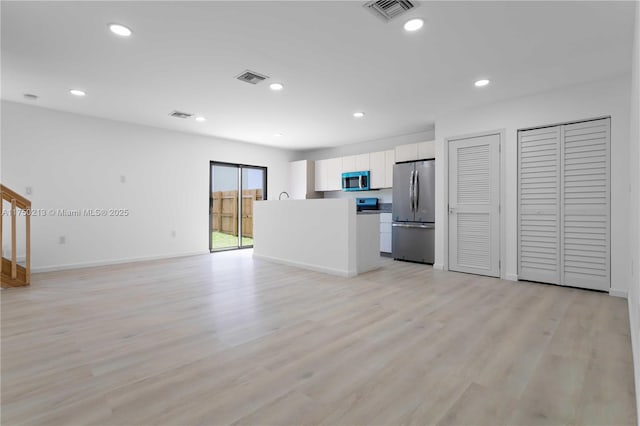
(356, 181)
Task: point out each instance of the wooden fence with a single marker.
(224, 211)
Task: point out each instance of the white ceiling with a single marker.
(334, 58)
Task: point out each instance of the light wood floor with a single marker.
(226, 339)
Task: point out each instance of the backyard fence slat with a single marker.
(224, 211)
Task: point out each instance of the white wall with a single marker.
(634, 207)
(74, 162)
(602, 98)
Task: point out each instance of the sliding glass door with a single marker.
(234, 188)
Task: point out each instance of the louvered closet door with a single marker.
(539, 205)
(474, 191)
(585, 200)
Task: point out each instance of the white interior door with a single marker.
(539, 204)
(474, 202)
(563, 205)
(585, 205)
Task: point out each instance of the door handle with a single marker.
(416, 189)
(411, 189)
(452, 210)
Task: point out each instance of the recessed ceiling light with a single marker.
(276, 86)
(200, 119)
(120, 30)
(358, 114)
(278, 135)
(413, 24)
(481, 83)
(77, 92)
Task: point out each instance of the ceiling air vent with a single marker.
(251, 77)
(389, 9)
(178, 114)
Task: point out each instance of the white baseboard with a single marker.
(302, 265)
(618, 293)
(79, 265)
(511, 277)
(438, 266)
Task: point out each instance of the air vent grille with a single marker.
(389, 9)
(251, 77)
(179, 114)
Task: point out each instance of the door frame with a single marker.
(501, 179)
(264, 197)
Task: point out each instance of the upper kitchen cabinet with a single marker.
(355, 163)
(381, 167)
(328, 174)
(349, 164)
(415, 151)
(321, 175)
(363, 162)
(303, 178)
(426, 150)
(334, 174)
(389, 161)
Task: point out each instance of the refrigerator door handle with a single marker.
(416, 190)
(411, 189)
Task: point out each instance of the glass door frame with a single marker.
(239, 167)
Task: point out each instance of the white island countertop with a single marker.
(323, 235)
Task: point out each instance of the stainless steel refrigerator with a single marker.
(413, 231)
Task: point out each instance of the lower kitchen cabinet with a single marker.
(385, 232)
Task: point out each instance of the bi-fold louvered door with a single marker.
(539, 212)
(564, 199)
(585, 213)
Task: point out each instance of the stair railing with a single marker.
(17, 202)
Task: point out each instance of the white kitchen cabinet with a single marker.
(349, 164)
(389, 162)
(426, 150)
(334, 174)
(321, 167)
(328, 174)
(302, 177)
(415, 151)
(355, 163)
(381, 167)
(385, 232)
(408, 152)
(377, 167)
(363, 162)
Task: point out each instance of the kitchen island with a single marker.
(325, 235)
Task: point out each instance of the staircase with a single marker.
(14, 275)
